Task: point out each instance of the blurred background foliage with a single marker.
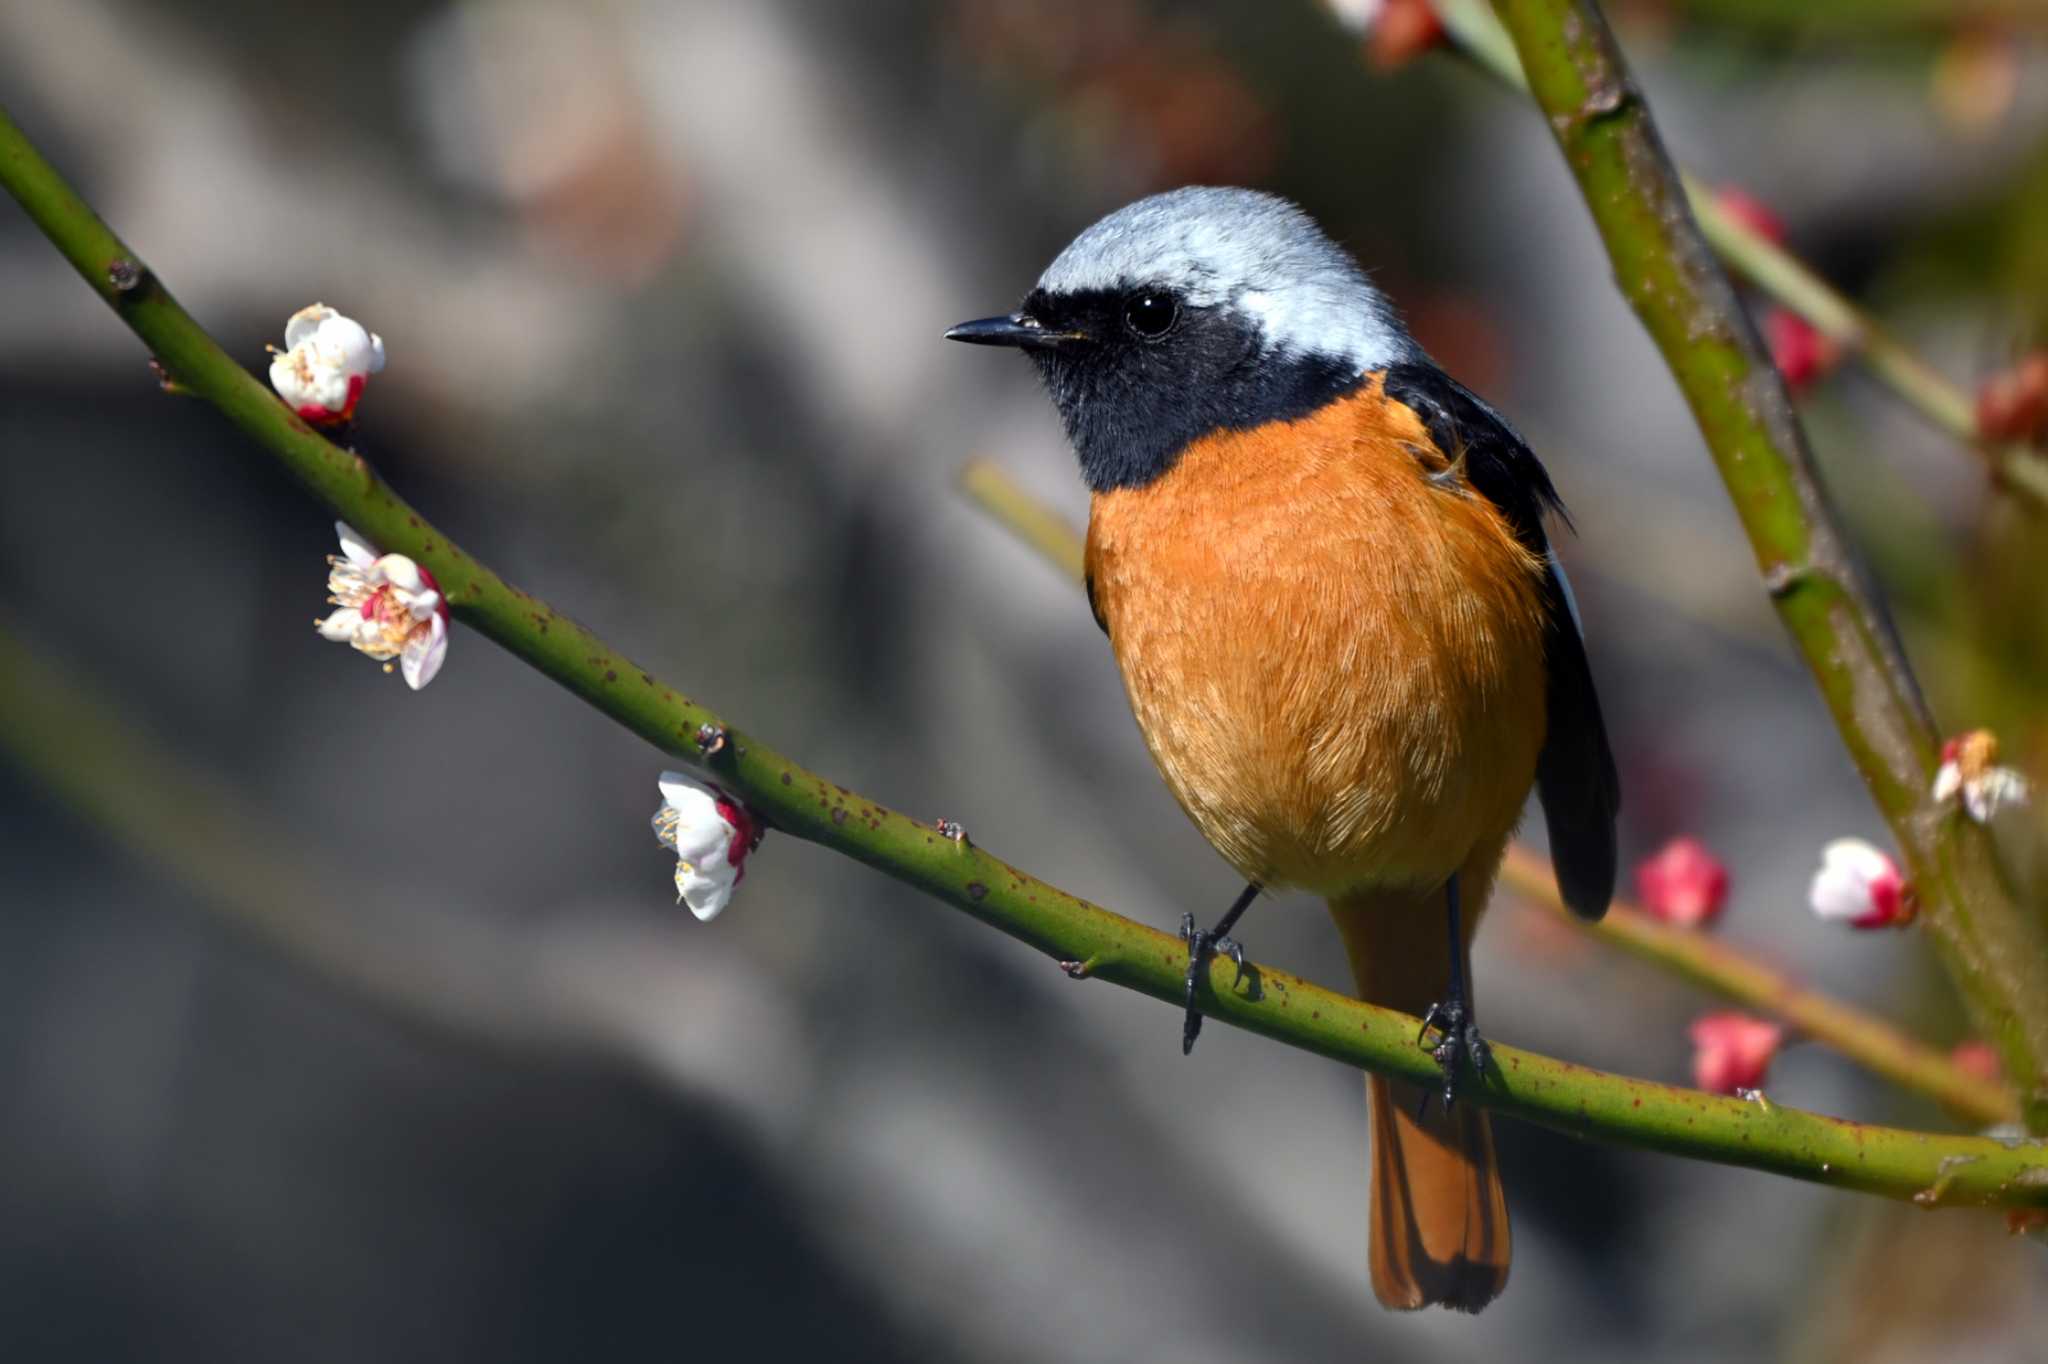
(662, 283)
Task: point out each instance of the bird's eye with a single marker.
(1151, 315)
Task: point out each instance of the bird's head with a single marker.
(1190, 312)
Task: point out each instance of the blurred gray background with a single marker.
(662, 284)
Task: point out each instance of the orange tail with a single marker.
(1439, 1214)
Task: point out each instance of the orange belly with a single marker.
(1336, 661)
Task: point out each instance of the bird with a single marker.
(1323, 568)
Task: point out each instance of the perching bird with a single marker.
(1322, 567)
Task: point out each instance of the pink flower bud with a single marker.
(1683, 884)
(1859, 885)
(1732, 1051)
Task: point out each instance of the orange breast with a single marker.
(1336, 661)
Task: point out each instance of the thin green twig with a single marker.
(1477, 33)
(1932, 1169)
(1715, 964)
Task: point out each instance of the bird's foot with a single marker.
(1457, 1041)
(1202, 944)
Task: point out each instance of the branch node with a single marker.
(124, 273)
(951, 829)
(711, 739)
(1944, 1180)
(1782, 579)
(165, 383)
(1603, 100)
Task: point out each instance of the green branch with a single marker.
(1713, 964)
(1943, 403)
(1932, 1169)
(1996, 951)
(1705, 961)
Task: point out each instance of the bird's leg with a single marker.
(1457, 1031)
(1202, 944)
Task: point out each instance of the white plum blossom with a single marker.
(1858, 884)
(1969, 769)
(390, 608)
(711, 833)
(325, 363)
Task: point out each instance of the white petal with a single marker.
(1994, 791)
(1834, 895)
(346, 584)
(342, 626)
(1857, 858)
(304, 377)
(424, 653)
(687, 795)
(292, 378)
(302, 324)
(1948, 780)
(355, 546)
(330, 389)
(1845, 887)
(706, 891)
(707, 843)
(700, 834)
(423, 604)
(344, 343)
(401, 572)
(1360, 15)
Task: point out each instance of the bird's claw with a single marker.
(1457, 1041)
(1201, 945)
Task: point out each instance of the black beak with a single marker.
(1021, 330)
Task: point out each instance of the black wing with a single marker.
(1575, 776)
